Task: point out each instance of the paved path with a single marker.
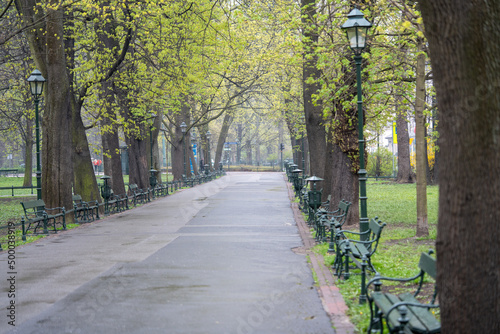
(216, 258)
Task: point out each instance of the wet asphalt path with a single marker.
(216, 258)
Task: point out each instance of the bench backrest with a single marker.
(33, 208)
(33, 204)
(132, 186)
(341, 215)
(428, 265)
(77, 198)
(344, 207)
(375, 227)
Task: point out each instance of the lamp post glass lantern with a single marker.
(356, 28)
(183, 129)
(36, 82)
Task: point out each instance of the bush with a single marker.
(379, 163)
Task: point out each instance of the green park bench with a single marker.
(404, 313)
(324, 208)
(332, 222)
(138, 195)
(7, 171)
(358, 251)
(161, 189)
(117, 203)
(36, 215)
(85, 212)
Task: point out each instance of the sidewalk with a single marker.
(215, 258)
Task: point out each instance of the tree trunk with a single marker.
(249, 152)
(226, 123)
(405, 174)
(111, 156)
(108, 42)
(421, 150)
(57, 171)
(316, 133)
(463, 41)
(345, 184)
(180, 142)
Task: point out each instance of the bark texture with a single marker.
(316, 133)
(463, 41)
(405, 174)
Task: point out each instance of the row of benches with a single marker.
(402, 313)
(37, 216)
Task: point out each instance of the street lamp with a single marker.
(36, 82)
(356, 28)
(183, 129)
(208, 150)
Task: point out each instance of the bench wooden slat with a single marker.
(426, 323)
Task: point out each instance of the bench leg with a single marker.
(346, 255)
(45, 227)
(362, 296)
(24, 229)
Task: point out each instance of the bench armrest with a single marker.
(56, 208)
(352, 232)
(369, 242)
(379, 278)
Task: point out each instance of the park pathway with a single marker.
(217, 258)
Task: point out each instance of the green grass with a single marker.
(397, 203)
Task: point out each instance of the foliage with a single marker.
(380, 162)
(431, 154)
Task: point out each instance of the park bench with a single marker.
(161, 189)
(6, 171)
(332, 222)
(360, 252)
(324, 208)
(115, 203)
(138, 195)
(37, 215)
(404, 313)
(85, 211)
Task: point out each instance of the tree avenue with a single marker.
(245, 77)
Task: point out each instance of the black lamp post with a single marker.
(356, 28)
(36, 82)
(183, 129)
(208, 151)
